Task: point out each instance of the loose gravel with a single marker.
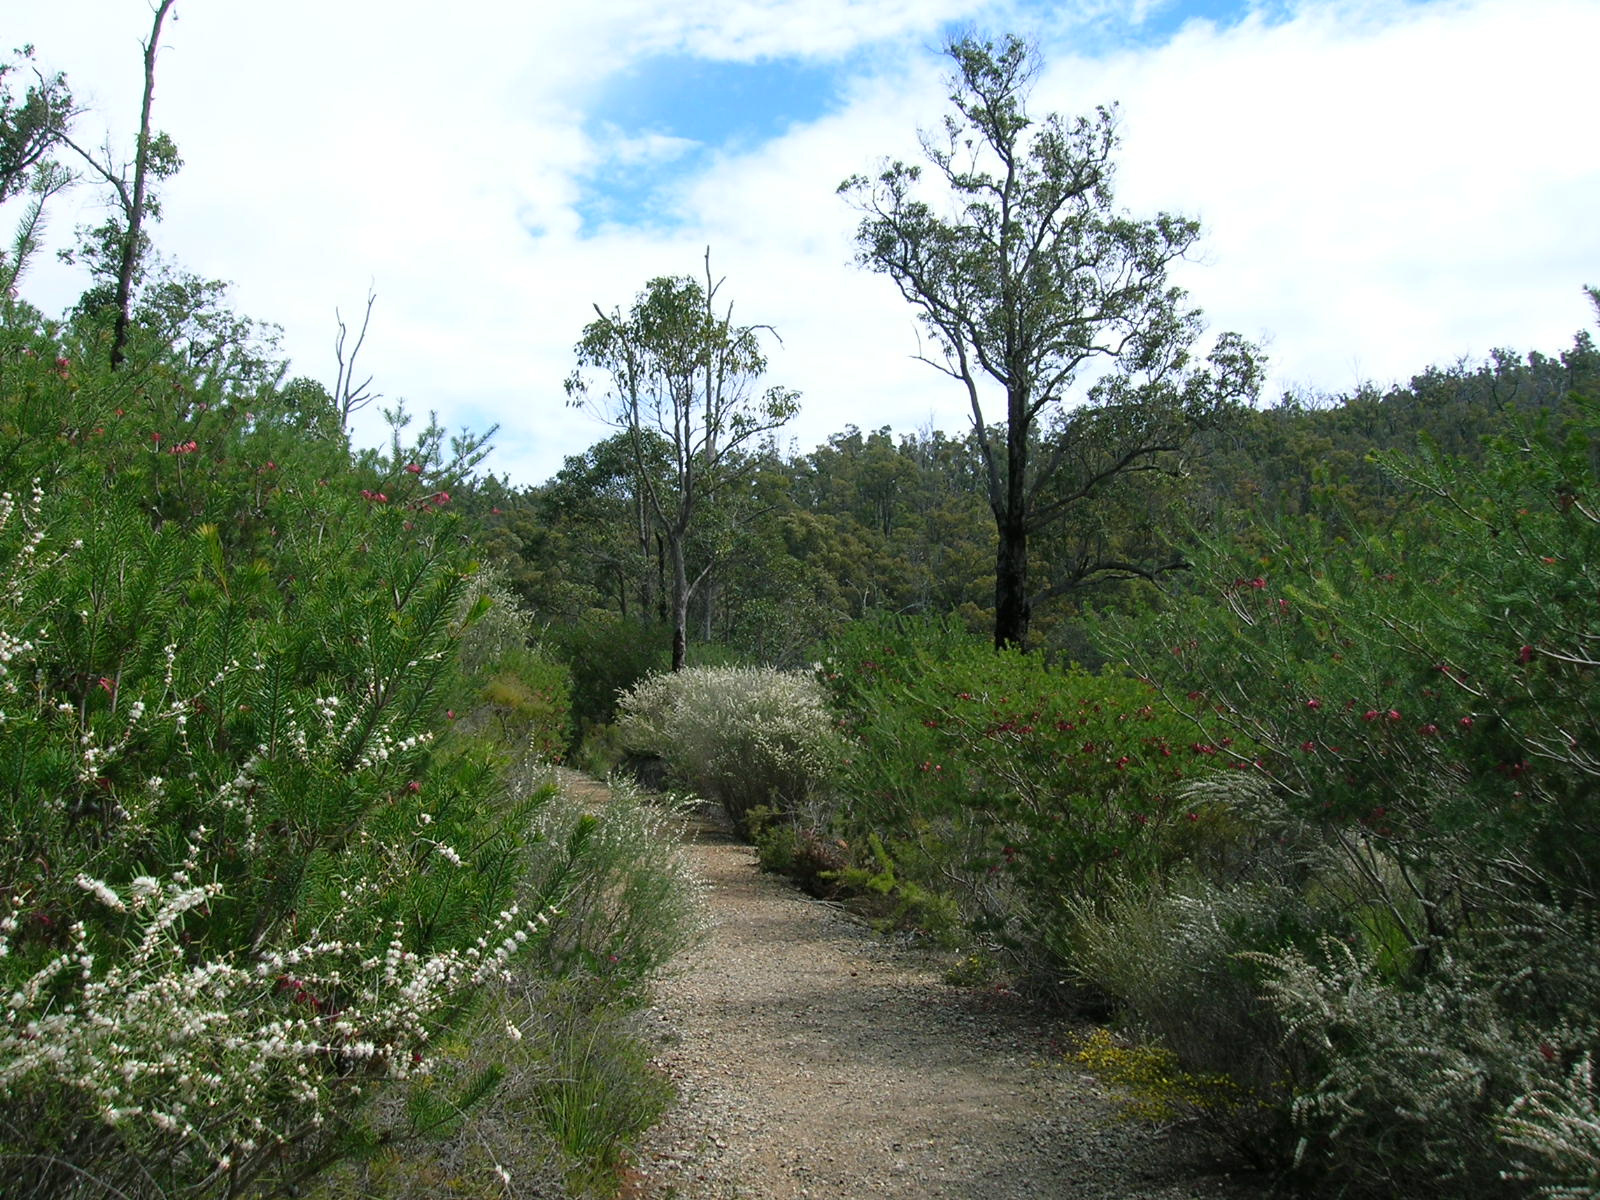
(815, 1059)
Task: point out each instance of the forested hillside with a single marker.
(880, 521)
(1264, 734)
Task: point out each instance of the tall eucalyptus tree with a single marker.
(1031, 282)
(680, 376)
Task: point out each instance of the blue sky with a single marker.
(705, 107)
(1384, 184)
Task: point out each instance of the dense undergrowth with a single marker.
(1326, 843)
(286, 891)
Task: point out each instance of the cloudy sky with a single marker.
(1384, 184)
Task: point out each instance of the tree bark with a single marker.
(1012, 609)
(1012, 606)
(680, 603)
(141, 165)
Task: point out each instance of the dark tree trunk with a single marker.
(1011, 608)
(680, 603)
(136, 205)
(661, 579)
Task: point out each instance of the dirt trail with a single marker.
(816, 1060)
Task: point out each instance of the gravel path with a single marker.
(815, 1059)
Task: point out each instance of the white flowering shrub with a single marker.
(1556, 1130)
(625, 897)
(743, 737)
(249, 875)
(1423, 1084)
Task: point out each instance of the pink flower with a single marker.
(1465, 722)
(1393, 714)
(413, 469)
(1429, 729)
(1370, 715)
(1313, 703)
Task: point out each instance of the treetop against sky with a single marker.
(1383, 184)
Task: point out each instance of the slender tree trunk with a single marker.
(141, 170)
(680, 603)
(661, 579)
(708, 617)
(1011, 607)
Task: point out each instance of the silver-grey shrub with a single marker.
(1473, 1076)
(740, 736)
(618, 879)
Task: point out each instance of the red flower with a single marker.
(1313, 703)
(1370, 715)
(1466, 722)
(1525, 654)
(413, 469)
(1394, 714)
(1429, 729)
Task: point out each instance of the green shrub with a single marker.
(1423, 704)
(607, 655)
(741, 737)
(1416, 1087)
(1009, 786)
(248, 884)
(807, 855)
(625, 899)
(560, 1036)
(1154, 1087)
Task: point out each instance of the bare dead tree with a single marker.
(152, 156)
(349, 396)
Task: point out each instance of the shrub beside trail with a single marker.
(742, 737)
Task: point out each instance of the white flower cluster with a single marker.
(208, 1052)
(383, 746)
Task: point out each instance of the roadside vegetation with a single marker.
(1268, 738)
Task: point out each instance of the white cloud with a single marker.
(1384, 185)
